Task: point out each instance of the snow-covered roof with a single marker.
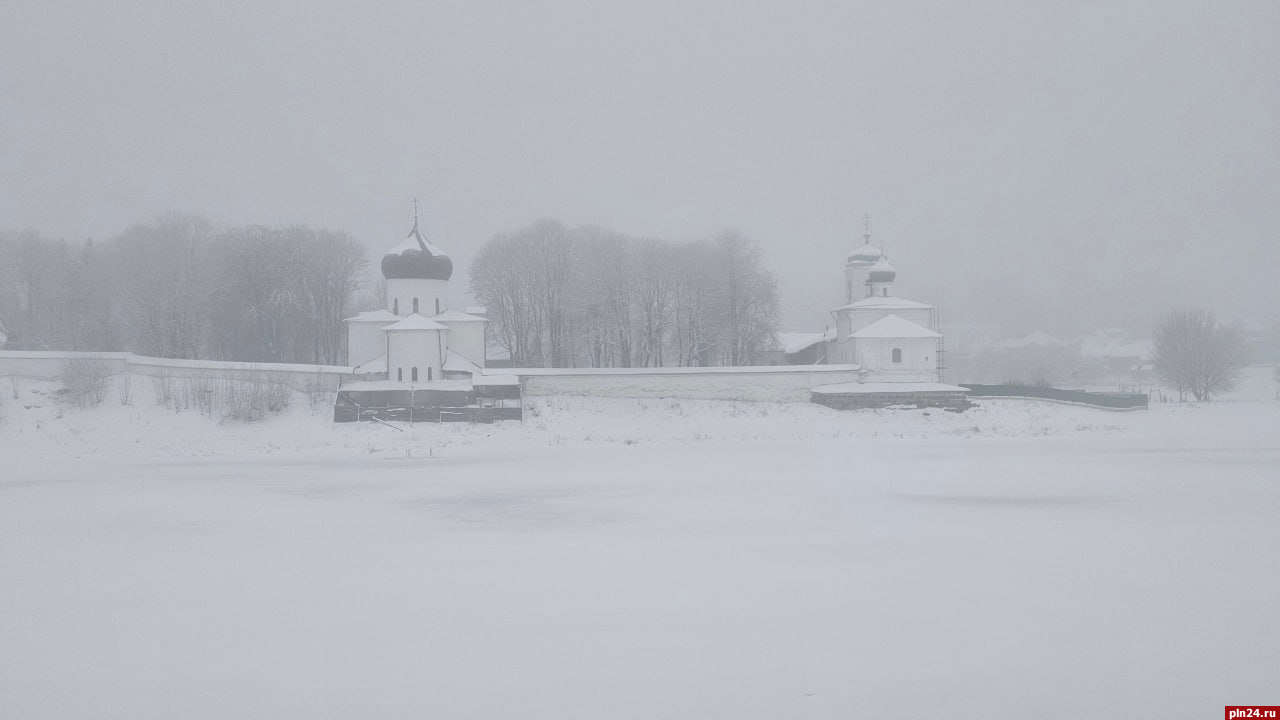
(877, 302)
(886, 387)
(1114, 343)
(1039, 338)
(382, 315)
(894, 326)
(376, 365)
(455, 316)
(477, 310)
(456, 363)
(415, 322)
(793, 342)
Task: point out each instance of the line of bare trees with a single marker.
(181, 288)
(587, 296)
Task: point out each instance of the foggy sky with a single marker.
(1055, 165)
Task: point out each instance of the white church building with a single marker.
(416, 338)
(893, 339)
(895, 343)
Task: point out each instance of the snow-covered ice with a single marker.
(639, 558)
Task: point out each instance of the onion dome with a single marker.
(881, 272)
(417, 259)
(865, 255)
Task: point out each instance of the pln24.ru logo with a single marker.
(1253, 711)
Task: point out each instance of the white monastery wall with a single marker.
(49, 366)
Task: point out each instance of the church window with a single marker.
(428, 374)
(897, 355)
(884, 292)
(400, 374)
(413, 374)
(395, 306)
(415, 306)
(437, 306)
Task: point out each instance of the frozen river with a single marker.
(1129, 574)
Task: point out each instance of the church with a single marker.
(415, 337)
(895, 343)
(416, 358)
(893, 339)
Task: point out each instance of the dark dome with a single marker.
(882, 272)
(416, 259)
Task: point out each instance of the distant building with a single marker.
(797, 348)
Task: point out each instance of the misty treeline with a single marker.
(179, 287)
(587, 296)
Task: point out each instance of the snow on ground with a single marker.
(639, 558)
(38, 424)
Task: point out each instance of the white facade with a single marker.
(466, 335)
(406, 296)
(898, 359)
(416, 355)
(366, 340)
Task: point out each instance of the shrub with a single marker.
(125, 389)
(247, 398)
(84, 382)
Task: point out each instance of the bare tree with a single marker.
(749, 300)
(1196, 354)
(602, 296)
(559, 296)
(499, 281)
(653, 280)
(693, 307)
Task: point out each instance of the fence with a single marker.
(1110, 401)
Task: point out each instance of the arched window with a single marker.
(428, 373)
(400, 374)
(415, 306)
(395, 306)
(437, 306)
(897, 355)
(413, 374)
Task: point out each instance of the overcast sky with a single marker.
(1058, 165)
